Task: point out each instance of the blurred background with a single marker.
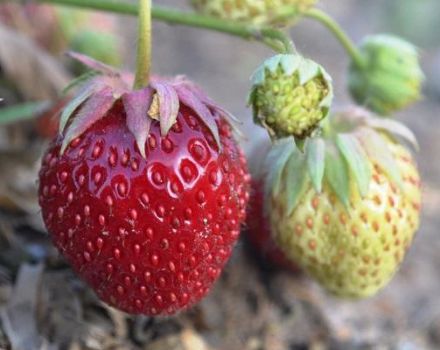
(43, 305)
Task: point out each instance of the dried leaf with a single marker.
(37, 75)
(18, 317)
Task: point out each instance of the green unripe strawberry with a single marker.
(347, 209)
(291, 95)
(275, 12)
(389, 78)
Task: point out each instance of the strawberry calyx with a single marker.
(352, 141)
(159, 101)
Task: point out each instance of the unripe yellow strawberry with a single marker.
(255, 11)
(352, 233)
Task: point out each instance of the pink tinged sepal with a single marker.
(136, 105)
(168, 105)
(74, 104)
(181, 80)
(190, 99)
(95, 108)
(93, 64)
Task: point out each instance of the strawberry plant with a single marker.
(145, 188)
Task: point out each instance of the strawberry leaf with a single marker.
(336, 173)
(296, 168)
(136, 106)
(316, 162)
(378, 150)
(94, 109)
(357, 160)
(168, 106)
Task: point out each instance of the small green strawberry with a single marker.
(390, 77)
(346, 209)
(291, 95)
(259, 12)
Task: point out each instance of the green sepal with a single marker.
(378, 151)
(337, 173)
(354, 154)
(80, 80)
(73, 105)
(394, 128)
(316, 162)
(296, 169)
(276, 161)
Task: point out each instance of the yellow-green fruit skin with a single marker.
(352, 253)
(254, 11)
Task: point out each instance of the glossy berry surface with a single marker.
(151, 235)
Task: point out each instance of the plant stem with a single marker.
(270, 37)
(143, 62)
(339, 33)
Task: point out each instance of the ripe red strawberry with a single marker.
(146, 211)
(259, 231)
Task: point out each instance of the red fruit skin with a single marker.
(149, 236)
(259, 233)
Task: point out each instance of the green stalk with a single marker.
(171, 16)
(339, 33)
(143, 61)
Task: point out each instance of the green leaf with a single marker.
(316, 162)
(336, 173)
(276, 162)
(295, 179)
(378, 150)
(21, 112)
(357, 159)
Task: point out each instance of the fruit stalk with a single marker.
(171, 16)
(143, 62)
(338, 32)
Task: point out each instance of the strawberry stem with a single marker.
(143, 62)
(172, 16)
(339, 33)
